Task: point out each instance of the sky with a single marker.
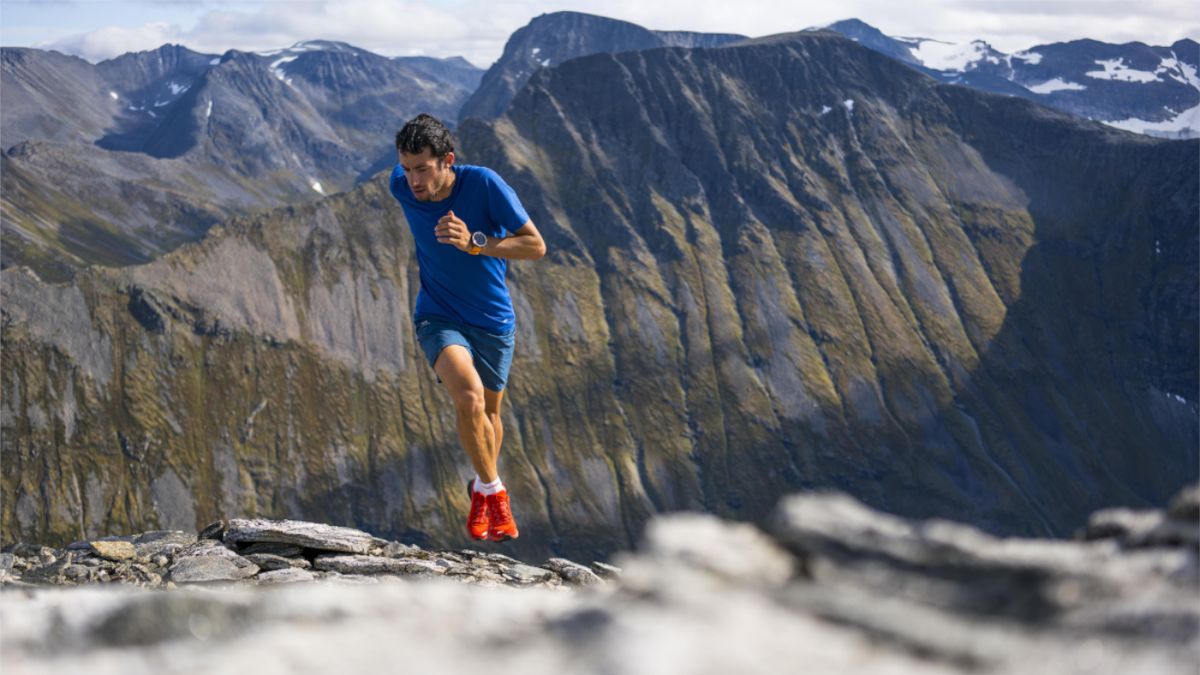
(477, 29)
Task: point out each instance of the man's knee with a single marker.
(469, 401)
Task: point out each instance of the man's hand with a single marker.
(452, 230)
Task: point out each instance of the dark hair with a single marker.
(424, 131)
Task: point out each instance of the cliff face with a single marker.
(773, 266)
(829, 270)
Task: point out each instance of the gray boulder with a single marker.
(573, 573)
(207, 568)
(309, 535)
(150, 544)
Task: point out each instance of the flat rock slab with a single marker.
(371, 564)
(527, 574)
(81, 545)
(151, 544)
(300, 533)
(114, 550)
(285, 576)
(573, 573)
(269, 561)
(200, 569)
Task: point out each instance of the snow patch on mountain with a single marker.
(1031, 58)
(1056, 84)
(277, 68)
(1115, 69)
(301, 47)
(1179, 71)
(1183, 125)
(952, 56)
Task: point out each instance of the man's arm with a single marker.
(524, 244)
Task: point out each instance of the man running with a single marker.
(465, 221)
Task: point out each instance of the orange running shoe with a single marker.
(477, 519)
(502, 527)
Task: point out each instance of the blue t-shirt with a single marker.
(455, 284)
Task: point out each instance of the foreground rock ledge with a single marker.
(249, 552)
(830, 587)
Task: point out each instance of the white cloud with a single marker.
(112, 41)
(478, 29)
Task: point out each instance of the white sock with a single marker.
(488, 488)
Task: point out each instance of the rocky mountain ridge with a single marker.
(118, 162)
(250, 551)
(549, 39)
(830, 584)
(1146, 89)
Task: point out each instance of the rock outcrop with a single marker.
(266, 551)
(831, 587)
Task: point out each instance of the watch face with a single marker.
(479, 239)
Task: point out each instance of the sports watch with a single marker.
(478, 241)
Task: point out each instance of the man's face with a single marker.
(428, 177)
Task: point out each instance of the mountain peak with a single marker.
(310, 46)
(549, 39)
(846, 26)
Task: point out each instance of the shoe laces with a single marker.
(479, 508)
(499, 509)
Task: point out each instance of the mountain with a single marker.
(1140, 88)
(217, 136)
(550, 39)
(779, 265)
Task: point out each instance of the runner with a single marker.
(465, 221)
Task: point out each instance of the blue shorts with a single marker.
(491, 352)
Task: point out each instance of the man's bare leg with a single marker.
(475, 429)
(491, 408)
